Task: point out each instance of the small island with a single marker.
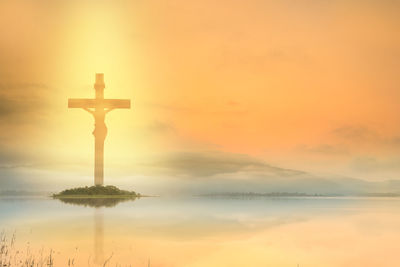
(97, 191)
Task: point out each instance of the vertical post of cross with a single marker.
(99, 107)
(100, 130)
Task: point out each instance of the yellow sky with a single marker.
(308, 85)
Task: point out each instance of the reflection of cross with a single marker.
(99, 107)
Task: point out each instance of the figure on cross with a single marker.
(99, 107)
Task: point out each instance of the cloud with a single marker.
(206, 164)
(233, 103)
(23, 101)
(172, 107)
(161, 127)
(10, 158)
(25, 110)
(325, 149)
(364, 135)
(372, 164)
(355, 133)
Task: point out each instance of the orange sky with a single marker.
(309, 85)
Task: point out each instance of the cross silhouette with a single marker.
(99, 107)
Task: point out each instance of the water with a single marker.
(198, 231)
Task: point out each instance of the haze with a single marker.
(227, 90)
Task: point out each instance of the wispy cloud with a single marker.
(366, 135)
(368, 164)
(161, 127)
(325, 149)
(206, 164)
(355, 133)
(23, 101)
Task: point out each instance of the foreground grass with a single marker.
(10, 256)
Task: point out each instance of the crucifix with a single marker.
(99, 107)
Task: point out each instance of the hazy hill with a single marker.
(301, 184)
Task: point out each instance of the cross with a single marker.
(99, 107)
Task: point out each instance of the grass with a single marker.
(11, 256)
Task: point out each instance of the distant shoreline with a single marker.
(287, 194)
(9, 193)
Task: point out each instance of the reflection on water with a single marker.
(98, 204)
(95, 202)
(209, 232)
(98, 236)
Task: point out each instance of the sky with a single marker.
(219, 90)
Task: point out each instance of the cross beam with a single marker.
(99, 107)
(92, 103)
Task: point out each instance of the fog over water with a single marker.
(201, 231)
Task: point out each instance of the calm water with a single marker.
(197, 231)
